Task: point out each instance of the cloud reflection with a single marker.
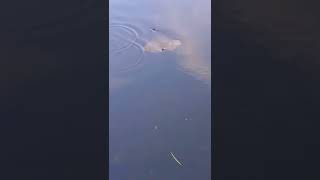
(116, 83)
(194, 27)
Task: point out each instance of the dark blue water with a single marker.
(160, 102)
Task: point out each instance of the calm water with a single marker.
(160, 102)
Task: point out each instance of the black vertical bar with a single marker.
(54, 90)
(266, 84)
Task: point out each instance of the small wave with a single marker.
(123, 40)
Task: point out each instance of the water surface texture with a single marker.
(160, 90)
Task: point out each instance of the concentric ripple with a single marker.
(125, 53)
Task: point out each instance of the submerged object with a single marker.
(176, 159)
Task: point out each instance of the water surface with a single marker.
(160, 102)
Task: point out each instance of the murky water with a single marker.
(160, 89)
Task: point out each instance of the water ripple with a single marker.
(125, 51)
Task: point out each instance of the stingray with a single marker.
(161, 43)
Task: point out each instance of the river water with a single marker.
(160, 101)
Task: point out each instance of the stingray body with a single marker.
(160, 42)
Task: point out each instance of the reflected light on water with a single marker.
(196, 48)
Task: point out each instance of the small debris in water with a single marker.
(176, 159)
(155, 127)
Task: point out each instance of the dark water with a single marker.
(160, 102)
